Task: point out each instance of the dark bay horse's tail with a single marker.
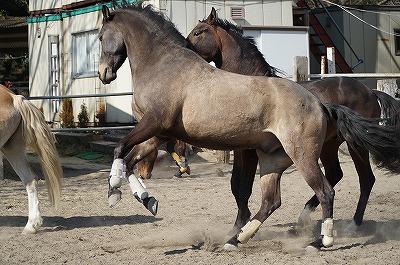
(390, 108)
(382, 141)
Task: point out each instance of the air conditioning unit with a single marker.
(237, 13)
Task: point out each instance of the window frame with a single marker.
(91, 51)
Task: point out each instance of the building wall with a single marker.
(118, 109)
(375, 48)
(185, 15)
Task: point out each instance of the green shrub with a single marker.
(83, 117)
(67, 114)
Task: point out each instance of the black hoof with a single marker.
(151, 204)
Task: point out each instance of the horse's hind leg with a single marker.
(333, 172)
(14, 151)
(244, 169)
(271, 168)
(366, 179)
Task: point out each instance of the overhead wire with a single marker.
(345, 9)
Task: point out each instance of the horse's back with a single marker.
(345, 91)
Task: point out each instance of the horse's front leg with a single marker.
(119, 170)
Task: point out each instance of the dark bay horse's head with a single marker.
(113, 49)
(204, 38)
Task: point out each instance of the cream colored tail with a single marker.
(37, 133)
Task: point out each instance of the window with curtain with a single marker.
(85, 55)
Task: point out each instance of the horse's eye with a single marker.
(197, 33)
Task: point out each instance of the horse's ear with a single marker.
(212, 16)
(107, 16)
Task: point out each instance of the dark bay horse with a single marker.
(179, 95)
(21, 123)
(223, 43)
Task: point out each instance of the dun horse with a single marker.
(223, 43)
(21, 123)
(179, 95)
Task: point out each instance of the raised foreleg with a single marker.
(119, 170)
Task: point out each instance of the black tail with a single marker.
(390, 108)
(382, 141)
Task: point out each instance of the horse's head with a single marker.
(113, 50)
(204, 38)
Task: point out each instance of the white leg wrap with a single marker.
(138, 187)
(248, 231)
(327, 232)
(117, 173)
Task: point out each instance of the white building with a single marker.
(64, 47)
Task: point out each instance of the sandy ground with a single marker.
(195, 214)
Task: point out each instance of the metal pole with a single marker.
(83, 96)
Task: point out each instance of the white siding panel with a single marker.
(385, 51)
(277, 46)
(253, 11)
(273, 13)
(178, 15)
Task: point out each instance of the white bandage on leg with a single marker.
(138, 187)
(117, 173)
(327, 232)
(248, 231)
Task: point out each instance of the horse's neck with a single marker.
(230, 52)
(241, 60)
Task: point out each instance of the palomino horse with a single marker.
(21, 123)
(223, 43)
(179, 95)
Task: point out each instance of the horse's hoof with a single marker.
(311, 249)
(230, 247)
(29, 231)
(151, 204)
(188, 170)
(178, 174)
(114, 198)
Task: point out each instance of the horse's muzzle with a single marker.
(106, 75)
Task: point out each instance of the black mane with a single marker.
(249, 47)
(165, 29)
